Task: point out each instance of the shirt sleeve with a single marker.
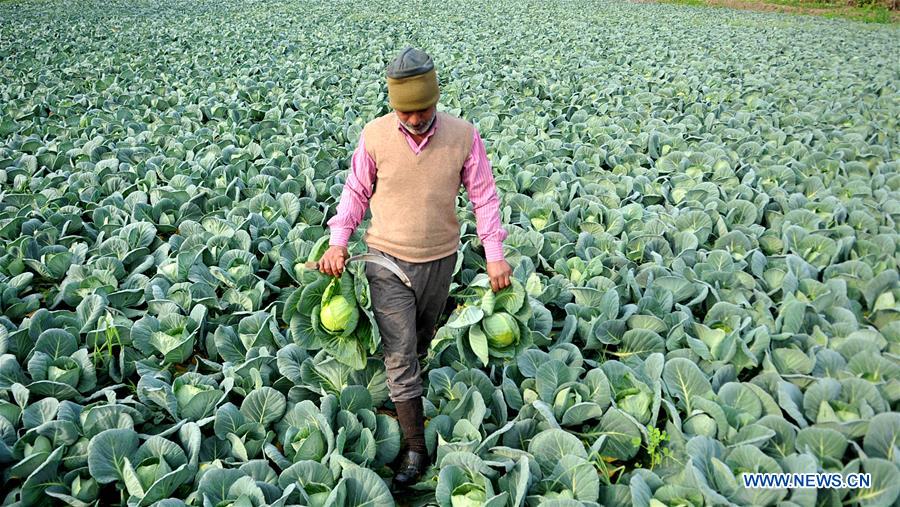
(354, 198)
(478, 179)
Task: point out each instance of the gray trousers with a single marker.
(406, 317)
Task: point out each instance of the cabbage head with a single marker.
(501, 330)
(337, 313)
(185, 393)
(700, 424)
(637, 404)
(305, 443)
(85, 489)
(467, 495)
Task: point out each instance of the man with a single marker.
(415, 158)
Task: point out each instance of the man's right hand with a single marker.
(332, 262)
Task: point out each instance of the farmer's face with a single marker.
(417, 122)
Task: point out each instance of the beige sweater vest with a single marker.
(414, 202)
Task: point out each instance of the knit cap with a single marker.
(412, 81)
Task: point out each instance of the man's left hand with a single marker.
(499, 272)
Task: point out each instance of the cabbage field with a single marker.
(702, 209)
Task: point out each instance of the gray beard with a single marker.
(424, 129)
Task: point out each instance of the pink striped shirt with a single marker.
(477, 178)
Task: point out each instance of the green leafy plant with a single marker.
(489, 325)
(332, 314)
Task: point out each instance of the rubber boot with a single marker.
(410, 414)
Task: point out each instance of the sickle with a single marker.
(374, 259)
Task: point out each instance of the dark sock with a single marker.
(410, 414)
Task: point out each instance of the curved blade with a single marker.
(385, 263)
(375, 259)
